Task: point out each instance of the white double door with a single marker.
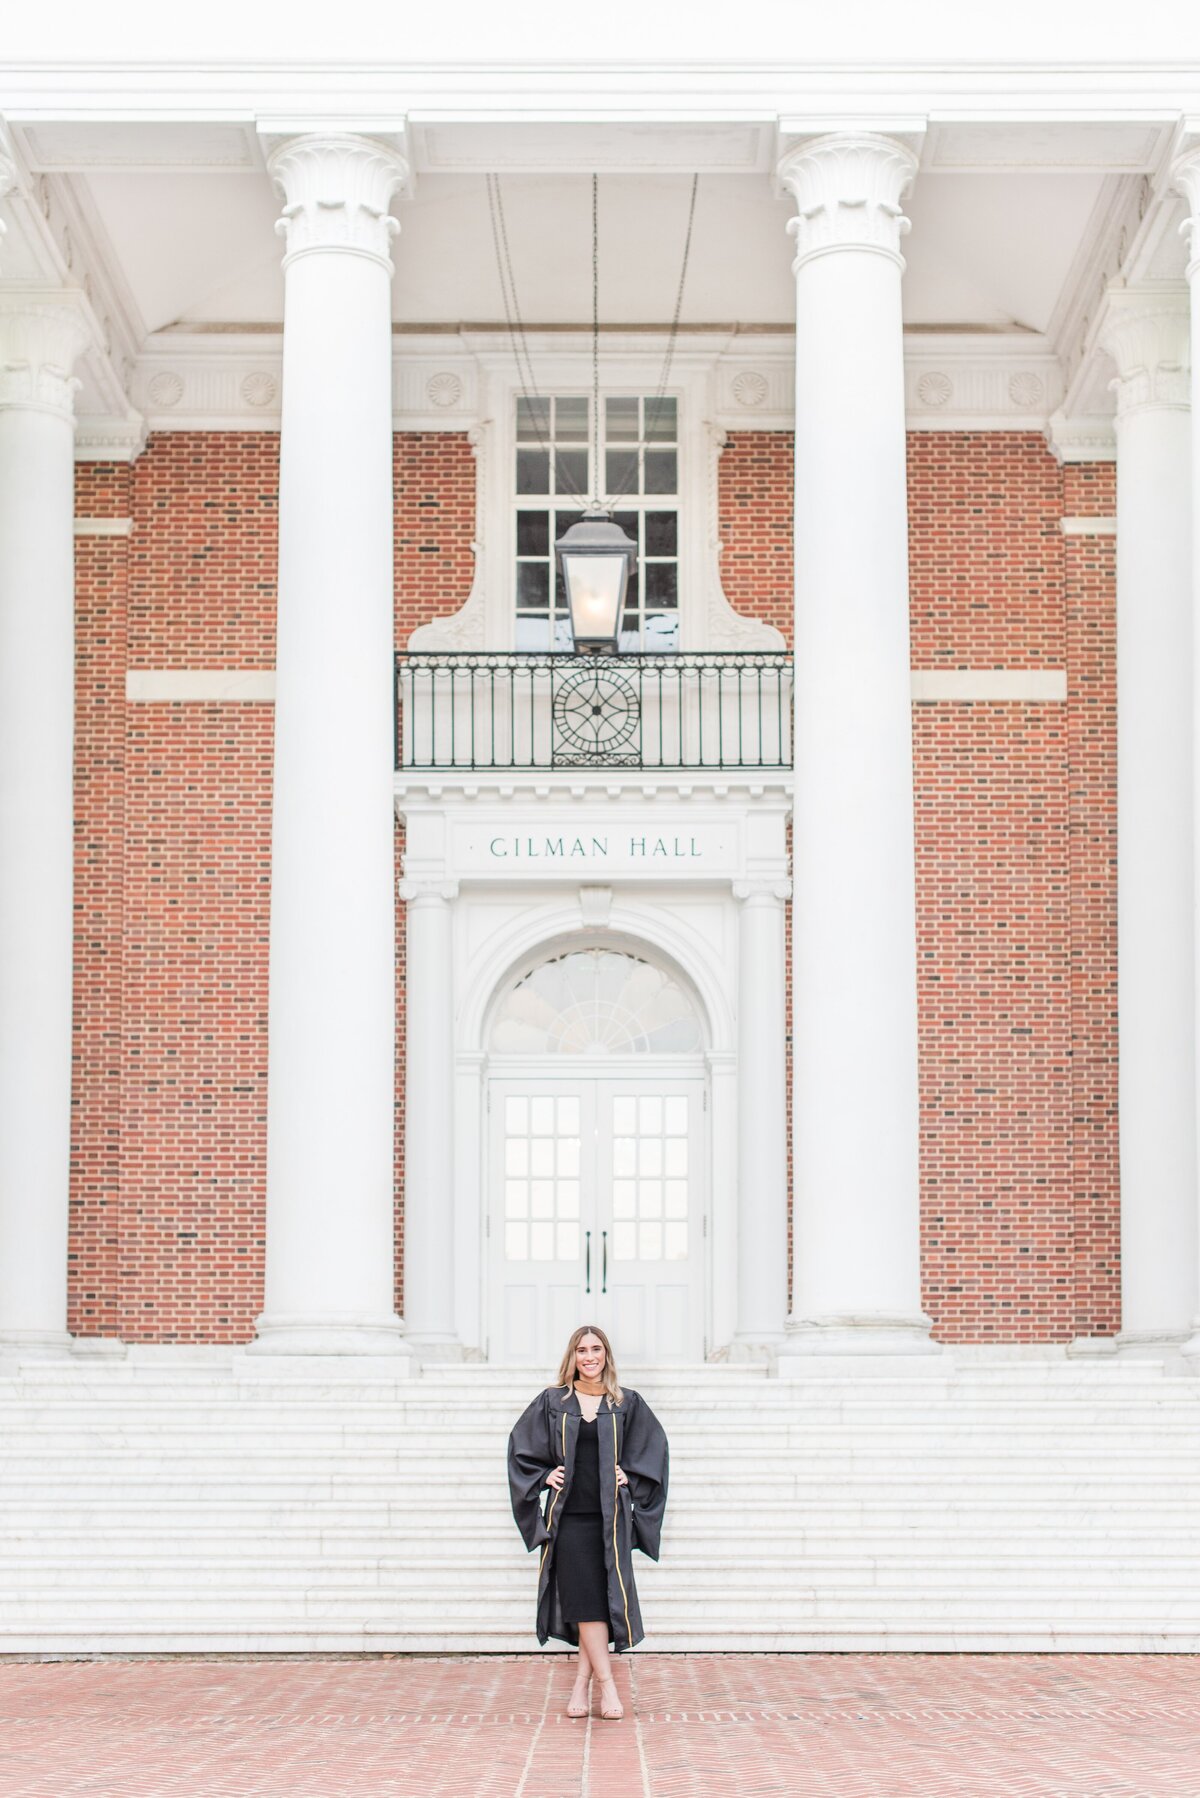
(597, 1215)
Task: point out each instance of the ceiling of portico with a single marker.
(1015, 227)
(989, 251)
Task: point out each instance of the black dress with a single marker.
(579, 1564)
(629, 1436)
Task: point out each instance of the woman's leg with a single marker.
(583, 1671)
(595, 1637)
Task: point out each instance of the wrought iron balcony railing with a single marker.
(481, 710)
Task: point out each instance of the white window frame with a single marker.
(629, 365)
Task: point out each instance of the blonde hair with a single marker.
(568, 1368)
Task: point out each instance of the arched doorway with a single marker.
(596, 1156)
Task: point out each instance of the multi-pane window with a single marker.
(638, 477)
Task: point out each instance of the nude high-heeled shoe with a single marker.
(611, 1708)
(580, 1706)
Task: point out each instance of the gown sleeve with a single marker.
(644, 1460)
(530, 1459)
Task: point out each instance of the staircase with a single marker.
(173, 1503)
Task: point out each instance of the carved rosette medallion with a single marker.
(935, 389)
(847, 189)
(750, 388)
(336, 191)
(1026, 390)
(259, 388)
(444, 389)
(165, 389)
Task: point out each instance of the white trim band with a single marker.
(212, 686)
(989, 684)
(1088, 527)
(103, 527)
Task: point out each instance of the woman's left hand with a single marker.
(622, 1478)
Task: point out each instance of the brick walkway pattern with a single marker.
(763, 1726)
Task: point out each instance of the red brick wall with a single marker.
(434, 525)
(1015, 810)
(173, 869)
(754, 511)
(1089, 490)
(1015, 840)
(101, 587)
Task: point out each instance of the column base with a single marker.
(1190, 1350)
(1152, 1345)
(284, 1334)
(439, 1349)
(756, 1349)
(36, 1345)
(865, 1334)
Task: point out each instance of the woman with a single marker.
(600, 1455)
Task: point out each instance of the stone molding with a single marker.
(8, 180)
(1185, 179)
(336, 191)
(1081, 439)
(427, 892)
(1146, 331)
(847, 188)
(233, 382)
(762, 892)
(41, 335)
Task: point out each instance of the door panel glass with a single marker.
(542, 1157)
(655, 1137)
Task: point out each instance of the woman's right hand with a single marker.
(556, 1477)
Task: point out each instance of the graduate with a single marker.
(587, 1469)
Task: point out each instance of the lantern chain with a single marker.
(516, 331)
(520, 345)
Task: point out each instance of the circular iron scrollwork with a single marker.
(596, 714)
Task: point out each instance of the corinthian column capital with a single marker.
(336, 190)
(847, 188)
(1147, 333)
(1185, 179)
(41, 334)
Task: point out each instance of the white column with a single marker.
(1186, 176)
(40, 336)
(429, 1120)
(855, 1110)
(1146, 333)
(331, 1068)
(762, 1297)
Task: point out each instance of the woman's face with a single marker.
(589, 1356)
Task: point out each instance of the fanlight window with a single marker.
(596, 1002)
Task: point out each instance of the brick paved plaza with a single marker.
(764, 1726)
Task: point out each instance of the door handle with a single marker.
(604, 1262)
(588, 1261)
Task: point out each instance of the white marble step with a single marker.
(702, 1576)
(149, 1507)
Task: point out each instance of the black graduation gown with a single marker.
(629, 1437)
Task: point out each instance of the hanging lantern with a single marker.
(596, 559)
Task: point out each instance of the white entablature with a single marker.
(1020, 225)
